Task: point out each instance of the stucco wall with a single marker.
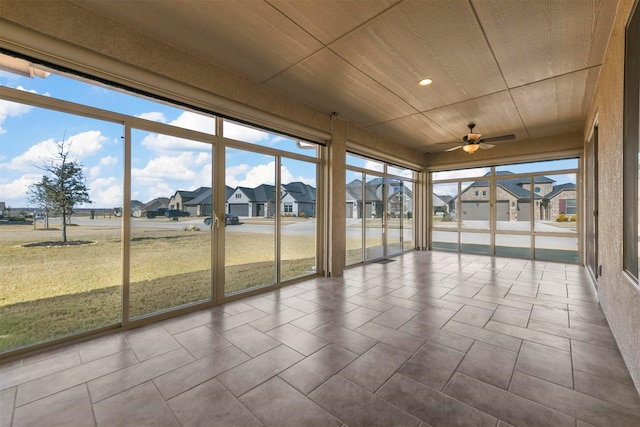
(619, 297)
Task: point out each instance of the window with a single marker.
(534, 214)
(631, 150)
(378, 210)
(288, 207)
(148, 169)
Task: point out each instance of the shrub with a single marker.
(302, 214)
(562, 218)
(573, 218)
(192, 227)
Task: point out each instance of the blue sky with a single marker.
(161, 164)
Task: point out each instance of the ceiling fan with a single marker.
(472, 141)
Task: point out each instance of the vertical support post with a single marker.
(336, 201)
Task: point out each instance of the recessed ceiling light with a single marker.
(425, 82)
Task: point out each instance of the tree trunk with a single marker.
(64, 226)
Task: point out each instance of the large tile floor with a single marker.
(430, 339)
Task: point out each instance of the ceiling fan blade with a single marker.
(486, 146)
(454, 148)
(499, 138)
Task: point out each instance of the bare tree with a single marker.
(62, 188)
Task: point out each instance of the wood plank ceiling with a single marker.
(527, 67)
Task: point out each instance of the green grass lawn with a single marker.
(52, 292)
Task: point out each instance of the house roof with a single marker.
(228, 191)
(438, 200)
(155, 204)
(371, 189)
(262, 193)
(513, 185)
(300, 191)
(204, 198)
(557, 189)
(187, 195)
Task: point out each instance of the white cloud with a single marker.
(245, 176)
(162, 189)
(82, 145)
(163, 144)
(108, 161)
(14, 192)
(195, 121)
(165, 174)
(14, 109)
(261, 174)
(160, 143)
(244, 133)
(286, 177)
(11, 109)
(464, 173)
(94, 172)
(450, 189)
(106, 192)
(374, 166)
(154, 116)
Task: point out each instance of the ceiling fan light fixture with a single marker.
(473, 137)
(471, 148)
(425, 82)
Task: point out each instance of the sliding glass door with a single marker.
(379, 210)
(170, 247)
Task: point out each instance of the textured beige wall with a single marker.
(619, 298)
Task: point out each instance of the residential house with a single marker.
(181, 198)
(372, 200)
(298, 198)
(253, 202)
(151, 206)
(514, 198)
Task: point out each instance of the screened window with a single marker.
(379, 209)
(534, 212)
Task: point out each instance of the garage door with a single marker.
(502, 210)
(239, 209)
(475, 210)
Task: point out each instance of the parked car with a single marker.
(229, 219)
(174, 213)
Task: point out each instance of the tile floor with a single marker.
(430, 339)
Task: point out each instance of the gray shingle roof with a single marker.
(300, 191)
(513, 185)
(560, 188)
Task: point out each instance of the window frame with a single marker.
(631, 147)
